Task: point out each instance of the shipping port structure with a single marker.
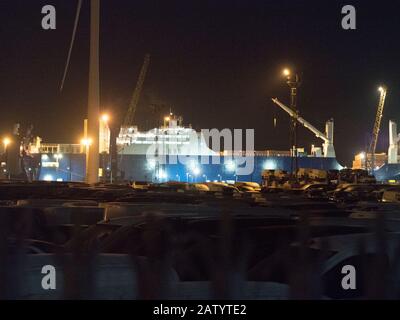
(67, 162)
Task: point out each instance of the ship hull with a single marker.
(137, 167)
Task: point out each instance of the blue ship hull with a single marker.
(136, 167)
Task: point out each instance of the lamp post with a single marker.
(86, 142)
(92, 168)
(293, 82)
(104, 144)
(6, 142)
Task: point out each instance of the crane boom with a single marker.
(130, 115)
(378, 118)
(377, 126)
(301, 120)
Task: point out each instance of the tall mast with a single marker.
(92, 172)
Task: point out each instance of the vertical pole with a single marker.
(293, 83)
(6, 154)
(92, 171)
(84, 146)
(294, 107)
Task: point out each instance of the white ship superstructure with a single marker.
(170, 139)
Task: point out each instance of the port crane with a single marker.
(130, 114)
(129, 119)
(370, 161)
(327, 137)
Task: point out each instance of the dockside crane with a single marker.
(327, 137)
(130, 114)
(370, 161)
(129, 118)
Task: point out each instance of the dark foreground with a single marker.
(74, 241)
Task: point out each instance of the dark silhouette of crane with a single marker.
(129, 119)
(370, 156)
(130, 114)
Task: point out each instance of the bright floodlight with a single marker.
(162, 175)
(6, 141)
(105, 117)
(286, 72)
(86, 142)
(230, 166)
(362, 155)
(380, 89)
(269, 165)
(48, 177)
(167, 119)
(151, 164)
(196, 171)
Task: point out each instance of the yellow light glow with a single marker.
(380, 89)
(167, 118)
(6, 141)
(286, 72)
(86, 142)
(105, 117)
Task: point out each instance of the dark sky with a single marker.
(217, 63)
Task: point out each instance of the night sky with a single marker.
(216, 63)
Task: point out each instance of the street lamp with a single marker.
(105, 117)
(6, 142)
(105, 144)
(293, 82)
(286, 72)
(86, 142)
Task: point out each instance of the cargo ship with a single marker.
(157, 155)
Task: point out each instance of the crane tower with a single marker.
(375, 132)
(130, 115)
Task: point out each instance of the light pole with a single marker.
(86, 142)
(6, 142)
(104, 133)
(92, 168)
(205, 177)
(293, 82)
(104, 144)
